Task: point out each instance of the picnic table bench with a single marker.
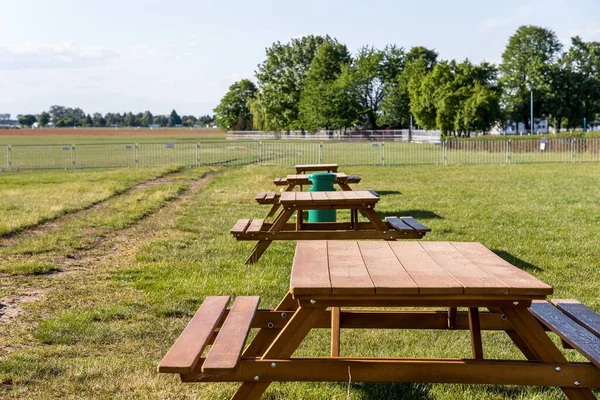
(369, 276)
(358, 202)
(303, 168)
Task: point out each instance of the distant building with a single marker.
(540, 126)
(9, 123)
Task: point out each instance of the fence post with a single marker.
(444, 150)
(73, 162)
(197, 154)
(9, 158)
(573, 149)
(382, 153)
(136, 159)
(320, 154)
(259, 155)
(508, 151)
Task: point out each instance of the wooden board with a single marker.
(303, 196)
(255, 226)
(334, 195)
(240, 226)
(316, 167)
(397, 224)
(318, 197)
(347, 270)
(518, 281)
(386, 272)
(470, 276)
(570, 331)
(224, 356)
(427, 274)
(270, 196)
(187, 350)
(260, 196)
(581, 313)
(310, 269)
(415, 224)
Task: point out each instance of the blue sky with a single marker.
(133, 55)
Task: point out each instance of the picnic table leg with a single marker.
(452, 317)
(475, 328)
(265, 337)
(344, 186)
(282, 347)
(536, 339)
(335, 331)
(374, 218)
(262, 245)
(517, 340)
(273, 210)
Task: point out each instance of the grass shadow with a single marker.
(387, 192)
(393, 390)
(516, 261)
(416, 214)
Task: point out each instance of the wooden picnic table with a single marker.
(369, 276)
(299, 180)
(358, 202)
(303, 168)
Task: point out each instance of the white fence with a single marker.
(113, 155)
(398, 135)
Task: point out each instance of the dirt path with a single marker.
(112, 245)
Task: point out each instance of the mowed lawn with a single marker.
(98, 331)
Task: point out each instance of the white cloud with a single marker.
(53, 56)
(514, 16)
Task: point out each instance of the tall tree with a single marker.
(44, 118)
(27, 120)
(325, 102)
(395, 106)
(281, 80)
(146, 118)
(174, 119)
(233, 112)
(527, 65)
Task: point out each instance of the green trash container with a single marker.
(321, 182)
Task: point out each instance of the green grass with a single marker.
(30, 198)
(27, 267)
(100, 333)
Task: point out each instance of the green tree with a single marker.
(233, 113)
(281, 80)
(456, 98)
(174, 119)
(27, 120)
(527, 64)
(146, 118)
(44, 118)
(324, 102)
(88, 121)
(98, 120)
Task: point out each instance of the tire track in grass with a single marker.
(113, 244)
(51, 222)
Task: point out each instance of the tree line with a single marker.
(314, 83)
(61, 116)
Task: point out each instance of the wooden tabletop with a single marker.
(316, 167)
(339, 176)
(303, 198)
(407, 268)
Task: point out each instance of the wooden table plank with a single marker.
(310, 269)
(427, 274)
(347, 269)
(386, 272)
(518, 281)
(469, 275)
(303, 196)
(319, 196)
(334, 195)
(287, 197)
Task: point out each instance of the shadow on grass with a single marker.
(416, 214)
(516, 261)
(393, 390)
(387, 192)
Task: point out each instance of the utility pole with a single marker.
(410, 129)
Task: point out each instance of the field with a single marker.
(97, 135)
(102, 274)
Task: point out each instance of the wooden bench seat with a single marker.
(226, 351)
(568, 329)
(407, 224)
(280, 181)
(267, 198)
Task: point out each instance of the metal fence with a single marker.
(113, 155)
